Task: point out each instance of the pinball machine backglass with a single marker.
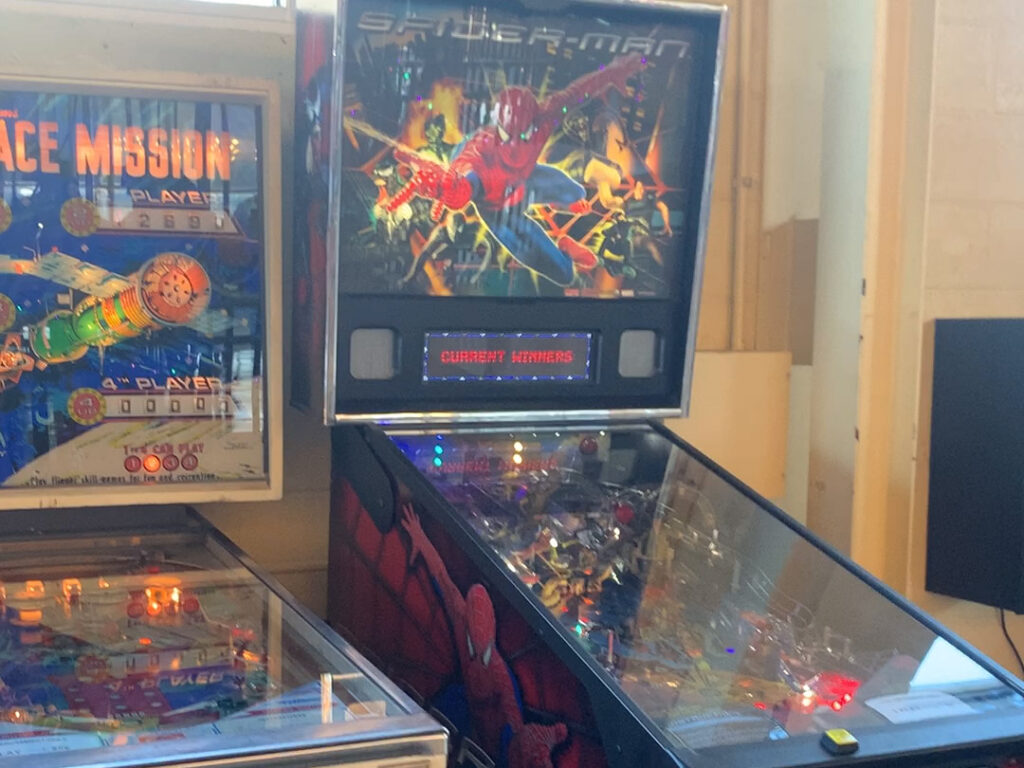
(139, 338)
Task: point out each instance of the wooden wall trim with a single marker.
(748, 183)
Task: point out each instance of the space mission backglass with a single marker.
(131, 291)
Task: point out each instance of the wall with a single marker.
(738, 415)
(797, 55)
(841, 242)
(53, 39)
(795, 83)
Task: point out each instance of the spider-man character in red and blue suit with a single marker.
(495, 707)
(496, 169)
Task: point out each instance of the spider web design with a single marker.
(394, 615)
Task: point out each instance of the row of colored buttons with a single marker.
(153, 463)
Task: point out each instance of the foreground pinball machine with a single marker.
(159, 643)
(510, 210)
(141, 365)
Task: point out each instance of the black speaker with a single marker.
(976, 477)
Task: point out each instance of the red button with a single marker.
(171, 462)
(624, 513)
(133, 463)
(189, 462)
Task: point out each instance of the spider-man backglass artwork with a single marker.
(488, 151)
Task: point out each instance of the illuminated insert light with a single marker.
(151, 463)
(438, 461)
(518, 446)
(553, 542)
(517, 458)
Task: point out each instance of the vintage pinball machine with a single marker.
(141, 366)
(502, 230)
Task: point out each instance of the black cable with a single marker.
(1006, 634)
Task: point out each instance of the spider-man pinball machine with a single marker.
(140, 367)
(502, 230)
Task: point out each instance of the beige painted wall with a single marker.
(841, 245)
(738, 415)
(797, 55)
(794, 111)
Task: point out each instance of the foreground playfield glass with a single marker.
(131, 642)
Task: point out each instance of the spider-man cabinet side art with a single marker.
(432, 624)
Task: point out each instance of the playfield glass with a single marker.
(718, 619)
(165, 647)
(489, 150)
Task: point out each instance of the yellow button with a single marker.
(839, 741)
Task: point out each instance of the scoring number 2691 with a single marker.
(171, 221)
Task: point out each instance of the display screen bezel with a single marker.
(494, 357)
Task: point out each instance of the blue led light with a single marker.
(730, 650)
(438, 461)
(438, 449)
